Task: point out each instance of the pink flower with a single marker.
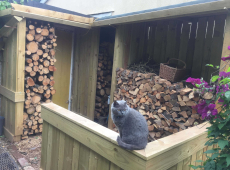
(196, 81)
(209, 111)
(229, 47)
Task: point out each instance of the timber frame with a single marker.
(70, 135)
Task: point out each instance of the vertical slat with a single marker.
(93, 73)
(61, 151)
(160, 39)
(171, 40)
(193, 160)
(68, 152)
(151, 41)
(191, 46)
(204, 157)
(199, 48)
(134, 43)
(76, 155)
(49, 148)
(177, 43)
(217, 43)
(103, 163)
(207, 48)
(114, 167)
(44, 145)
(180, 166)
(184, 42)
(186, 163)
(84, 158)
(226, 43)
(76, 72)
(142, 44)
(93, 160)
(55, 148)
(199, 156)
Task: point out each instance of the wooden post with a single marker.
(122, 43)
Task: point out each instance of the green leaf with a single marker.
(217, 66)
(215, 155)
(222, 143)
(15, 2)
(220, 126)
(214, 78)
(2, 8)
(211, 151)
(227, 95)
(224, 155)
(228, 160)
(228, 69)
(210, 65)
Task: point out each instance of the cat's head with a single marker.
(120, 108)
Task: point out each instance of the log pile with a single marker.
(166, 107)
(104, 75)
(39, 68)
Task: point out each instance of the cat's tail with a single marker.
(128, 146)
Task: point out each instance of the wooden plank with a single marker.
(92, 131)
(193, 159)
(93, 160)
(55, 147)
(49, 19)
(10, 136)
(171, 40)
(226, 43)
(160, 45)
(84, 158)
(61, 157)
(199, 48)
(186, 163)
(184, 40)
(191, 46)
(50, 13)
(92, 77)
(49, 147)
(190, 10)
(9, 26)
(76, 155)
(207, 49)
(180, 166)
(114, 167)
(11, 95)
(141, 55)
(20, 75)
(118, 60)
(217, 43)
(199, 156)
(150, 45)
(175, 155)
(44, 144)
(103, 163)
(68, 153)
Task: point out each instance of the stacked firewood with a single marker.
(104, 75)
(166, 107)
(39, 68)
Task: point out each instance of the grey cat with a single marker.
(131, 125)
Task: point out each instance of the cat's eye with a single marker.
(119, 110)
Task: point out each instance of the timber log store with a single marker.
(71, 59)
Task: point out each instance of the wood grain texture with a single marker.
(94, 147)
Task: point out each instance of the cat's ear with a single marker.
(125, 103)
(115, 103)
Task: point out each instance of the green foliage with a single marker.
(219, 131)
(4, 4)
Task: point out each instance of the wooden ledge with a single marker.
(48, 15)
(163, 153)
(13, 96)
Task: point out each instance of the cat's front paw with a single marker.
(119, 140)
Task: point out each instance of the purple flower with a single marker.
(225, 58)
(224, 74)
(220, 100)
(209, 111)
(196, 81)
(229, 47)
